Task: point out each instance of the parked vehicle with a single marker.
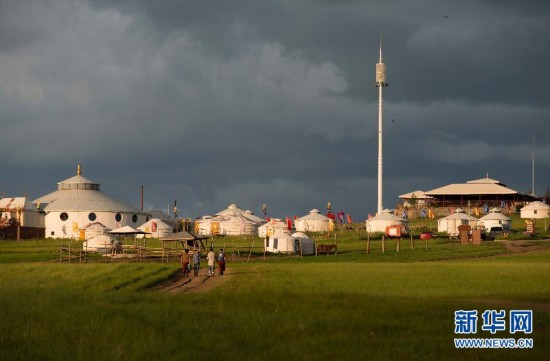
(494, 232)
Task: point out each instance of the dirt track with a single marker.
(177, 283)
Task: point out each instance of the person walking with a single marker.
(221, 262)
(196, 261)
(211, 256)
(185, 263)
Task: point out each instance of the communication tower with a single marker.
(380, 83)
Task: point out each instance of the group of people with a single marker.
(211, 257)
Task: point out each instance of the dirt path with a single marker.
(177, 283)
(523, 246)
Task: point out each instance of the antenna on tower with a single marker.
(533, 168)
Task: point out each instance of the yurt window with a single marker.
(134, 218)
(92, 216)
(275, 243)
(118, 217)
(64, 216)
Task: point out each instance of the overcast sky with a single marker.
(252, 102)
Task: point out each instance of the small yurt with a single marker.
(308, 245)
(313, 222)
(496, 218)
(95, 229)
(274, 225)
(384, 219)
(535, 210)
(450, 223)
(156, 228)
(101, 243)
(284, 242)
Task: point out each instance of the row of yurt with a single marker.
(384, 219)
(296, 243)
(496, 218)
(274, 225)
(313, 222)
(230, 222)
(450, 223)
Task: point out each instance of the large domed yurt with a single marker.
(450, 223)
(156, 228)
(313, 222)
(535, 210)
(230, 222)
(79, 201)
(269, 228)
(382, 220)
(496, 218)
(284, 242)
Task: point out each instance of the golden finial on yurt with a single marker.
(78, 170)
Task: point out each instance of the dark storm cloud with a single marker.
(215, 102)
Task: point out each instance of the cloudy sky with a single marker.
(252, 102)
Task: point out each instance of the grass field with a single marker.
(352, 306)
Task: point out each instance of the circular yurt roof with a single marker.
(535, 206)
(459, 214)
(300, 235)
(494, 214)
(386, 215)
(313, 215)
(79, 194)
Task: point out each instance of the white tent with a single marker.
(156, 228)
(274, 224)
(284, 242)
(95, 229)
(313, 222)
(535, 210)
(98, 244)
(382, 220)
(231, 222)
(450, 223)
(496, 218)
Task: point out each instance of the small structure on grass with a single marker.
(384, 219)
(496, 218)
(274, 225)
(313, 222)
(95, 229)
(230, 222)
(535, 210)
(156, 228)
(284, 242)
(451, 223)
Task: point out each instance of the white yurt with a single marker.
(308, 245)
(496, 218)
(450, 223)
(313, 222)
(284, 242)
(384, 219)
(271, 227)
(535, 210)
(98, 244)
(231, 222)
(156, 228)
(95, 229)
(79, 201)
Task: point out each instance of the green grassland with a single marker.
(391, 305)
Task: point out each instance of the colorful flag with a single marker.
(341, 217)
(330, 225)
(349, 219)
(288, 223)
